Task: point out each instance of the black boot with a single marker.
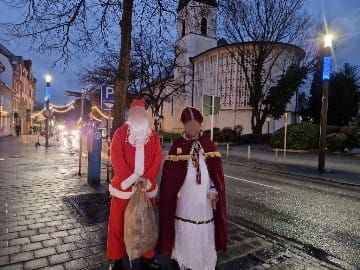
(138, 264)
(118, 265)
(151, 264)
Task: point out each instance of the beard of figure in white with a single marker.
(140, 130)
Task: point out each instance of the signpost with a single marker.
(211, 106)
(107, 97)
(107, 104)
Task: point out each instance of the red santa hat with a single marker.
(191, 113)
(137, 103)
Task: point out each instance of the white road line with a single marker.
(248, 181)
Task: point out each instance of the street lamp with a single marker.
(81, 95)
(48, 79)
(328, 38)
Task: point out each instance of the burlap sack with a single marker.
(140, 228)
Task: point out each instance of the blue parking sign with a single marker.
(107, 97)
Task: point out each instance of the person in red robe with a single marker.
(192, 205)
(136, 155)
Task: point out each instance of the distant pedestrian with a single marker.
(136, 156)
(192, 200)
(18, 130)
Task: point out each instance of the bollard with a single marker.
(276, 153)
(248, 156)
(227, 150)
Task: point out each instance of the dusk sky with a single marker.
(342, 14)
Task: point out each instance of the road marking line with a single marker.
(248, 181)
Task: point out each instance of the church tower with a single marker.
(196, 33)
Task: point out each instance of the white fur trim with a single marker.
(128, 182)
(127, 195)
(139, 168)
(139, 159)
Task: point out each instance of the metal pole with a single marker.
(285, 134)
(212, 117)
(227, 150)
(81, 128)
(324, 107)
(47, 111)
(249, 149)
(108, 143)
(323, 121)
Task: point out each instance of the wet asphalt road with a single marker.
(316, 214)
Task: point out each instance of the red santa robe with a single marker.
(173, 177)
(129, 163)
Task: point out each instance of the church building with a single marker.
(207, 66)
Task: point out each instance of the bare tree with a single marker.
(265, 24)
(155, 61)
(74, 28)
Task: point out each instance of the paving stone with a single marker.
(17, 266)
(28, 232)
(76, 264)
(31, 246)
(19, 241)
(17, 228)
(58, 234)
(39, 237)
(9, 236)
(21, 257)
(59, 258)
(36, 264)
(47, 230)
(52, 242)
(4, 260)
(54, 267)
(36, 226)
(9, 250)
(66, 247)
(44, 252)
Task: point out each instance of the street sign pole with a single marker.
(108, 166)
(285, 134)
(81, 128)
(324, 108)
(212, 117)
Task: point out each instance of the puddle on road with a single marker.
(91, 208)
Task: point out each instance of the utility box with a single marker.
(94, 155)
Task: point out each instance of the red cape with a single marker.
(173, 176)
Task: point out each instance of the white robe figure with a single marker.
(195, 243)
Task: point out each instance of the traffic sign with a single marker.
(107, 97)
(207, 105)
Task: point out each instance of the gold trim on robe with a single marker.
(188, 157)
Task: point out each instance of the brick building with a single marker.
(20, 80)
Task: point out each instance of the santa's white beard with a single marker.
(139, 131)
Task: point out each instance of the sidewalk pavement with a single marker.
(52, 219)
(344, 169)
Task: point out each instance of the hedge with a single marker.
(300, 136)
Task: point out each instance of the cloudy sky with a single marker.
(344, 15)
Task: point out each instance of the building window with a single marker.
(183, 28)
(203, 26)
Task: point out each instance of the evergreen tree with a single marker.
(343, 97)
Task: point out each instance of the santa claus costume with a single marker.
(135, 153)
(192, 229)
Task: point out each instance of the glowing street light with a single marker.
(48, 78)
(328, 38)
(327, 59)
